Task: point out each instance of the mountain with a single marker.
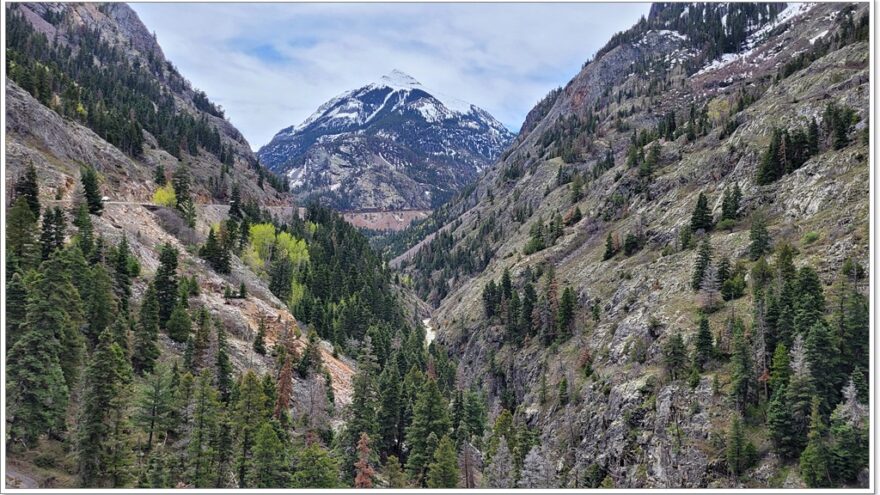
(621, 284)
(391, 144)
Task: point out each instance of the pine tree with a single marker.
(742, 386)
(166, 283)
(394, 473)
(703, 346)
(260, 339)
(563, 391)
(223, 366)
(155, 411)
(145, 350)
(390, 415)
(249, 409)
(16, 308)
(235, 202)
(824, 365)
(704, 259)
(565, 315)
(104, 454)
(849, 447)
(159, 175)
(53, 232)
(609, 248)
(204, 420)
(443, 471)
(737, 461)
(268, 467)
(100, 303)
(675, 356)
(364, 472)
(500, 472)
(815, 459)
(537, 470)
(179, 325)
(37, 393)
(311, 357)
(771, 167)
(285, 391)
(779, 368)
(21, 241)
(27, 189)
(701, 219)
(181, 182)
(314, 468)
(364, 403)
(430, 416)
(85, 236)
(799, 395)
(92, 192)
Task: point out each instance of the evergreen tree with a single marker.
(824, 365)
(179, 326)
(799, 396)
(166, 283)
(269, 465)
(704, 259)
(849, 447)
(314, 468)
(155, 409)
(260, 339)
(27, 189)
(280, 276)
(249, 410)
(21, 241)
(609, 248)
(740, 452)
(675, 356)
(159, 175)
(390, 415)
(37, 393)
(771, 167)
(742, 386)
(730, 203)
(364, 403)
(93, 194)
(104, 454)
(85, 236)
(430, 416)
(394, 473)
(779, 368)
(124, 268)
(235, 202)
(184, 202)
(701, 219)
(223, 365)
(145, 350)
(100, 303)
(53, 232)
(16, 308)
(204, 420)
(815, 459)
(703, 346)
(565, 315)
(443, 471)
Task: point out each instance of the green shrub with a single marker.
(810, 237)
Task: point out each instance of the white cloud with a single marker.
(272, 65)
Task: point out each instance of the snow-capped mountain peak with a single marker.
(399, 80)
(394, 122)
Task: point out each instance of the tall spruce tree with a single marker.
(104, 445)
(27, 189)
(166, 283)
(443, 470)
(701, 219)
(94, 200)
(430, 417)
(814, 462)
(145, 350)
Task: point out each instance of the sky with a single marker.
(272, 65)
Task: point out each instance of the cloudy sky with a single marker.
(271, 65)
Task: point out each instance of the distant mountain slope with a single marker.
(389, 145)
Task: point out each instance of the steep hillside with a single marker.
(392, 144)
(564, 280)
(155, 272)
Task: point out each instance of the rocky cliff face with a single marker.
(626, 419)
(389, 145)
